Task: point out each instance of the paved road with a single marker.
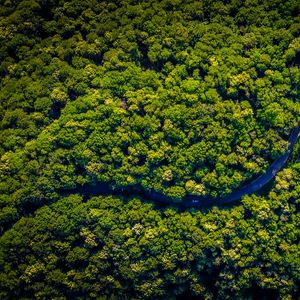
(199, 201)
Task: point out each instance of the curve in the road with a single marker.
(199, 201)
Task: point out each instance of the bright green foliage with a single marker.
(110, 248)
(144, 94)
(182, 97)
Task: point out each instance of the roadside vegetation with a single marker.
(179, 97)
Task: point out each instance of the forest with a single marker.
(178, 98)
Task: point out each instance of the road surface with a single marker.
(199, 201)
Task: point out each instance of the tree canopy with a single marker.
(113, 248)
(181, 97)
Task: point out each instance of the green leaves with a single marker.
(105, 245)
(180, 97)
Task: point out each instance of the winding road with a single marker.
(199, 201)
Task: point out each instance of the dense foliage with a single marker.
(183, 97)
(129, 250)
